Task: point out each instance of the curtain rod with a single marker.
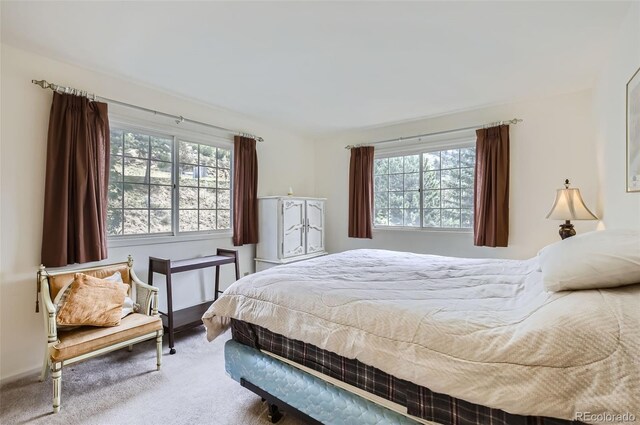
(178, 118)
(455, 130)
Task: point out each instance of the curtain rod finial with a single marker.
(42, 83)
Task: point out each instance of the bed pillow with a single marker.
(92, 302)
(600, 259)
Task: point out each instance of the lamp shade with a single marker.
(570, 206)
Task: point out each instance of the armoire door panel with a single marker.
(315, 226)
(293, 228)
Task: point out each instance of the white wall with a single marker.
(25, 110)
(554, 142)
(619, 209)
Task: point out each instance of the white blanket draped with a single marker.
(481, 330)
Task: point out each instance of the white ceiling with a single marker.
(329, 66)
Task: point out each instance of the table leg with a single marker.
(170, 313)
(217, 286)
(235, 259)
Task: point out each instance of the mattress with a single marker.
(417, 401)
(479, 330)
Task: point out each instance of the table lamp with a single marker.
(569, 206)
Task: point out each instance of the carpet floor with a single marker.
(124, 388)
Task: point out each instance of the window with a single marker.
(430, 189)
(142, 178)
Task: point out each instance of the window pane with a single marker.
(160, 221)
(114, 222)
(466, 199)
(450, 218)
(431, 218)
(207, 220)
(224, 178)
(431, 161)
(136, 170)
(207, 177)
(450, 158)
(381, 200)
(412, 217)
(116, 142)
(466, 177)
(431, 180)
(188, 220)
(224, 200)
(395, 217)
(381, 183)
(412, 200)
(188, 197)
(381, 166)
(224, 158)
(207, 155)
(188, 153)
(396, 182)
(468, 157)
(136, 145)
(431, 199)
(224, 219)
(466, 218)
(188, 175)
(161, 149)
(450, 178)
(451, 198)
(160, 197)
(412, 164)
(395, 164)
(115, 195)
(381, 217)
(207, 199)
(115, 169)
(160, 172)
(396, 199)
(412, 181)
(136, 222)
(136, 196)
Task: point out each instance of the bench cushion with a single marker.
(86, 339)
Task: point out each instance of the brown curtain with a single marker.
(491, 202)
(245, 191)
(361, 192)
(77, 176)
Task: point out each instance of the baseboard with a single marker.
(11, 378)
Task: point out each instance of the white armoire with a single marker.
(290, 229)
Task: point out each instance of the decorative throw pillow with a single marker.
(128, 306)
(92, 302)
(601, 259)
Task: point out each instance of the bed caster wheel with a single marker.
(172, 351)
(274, 413)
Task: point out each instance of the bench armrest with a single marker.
(146, 296)
(49, 308)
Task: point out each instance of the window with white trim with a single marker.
(430, 189)
(164, 185)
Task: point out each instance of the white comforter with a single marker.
(480, 330)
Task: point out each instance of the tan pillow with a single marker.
(92, 302)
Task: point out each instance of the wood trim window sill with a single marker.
(119, 242)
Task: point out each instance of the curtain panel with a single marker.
(361, 192)
(245, 191)
(491, 200)
(76, 182)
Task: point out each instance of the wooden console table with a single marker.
(175, 321)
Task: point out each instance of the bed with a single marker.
(449, 340)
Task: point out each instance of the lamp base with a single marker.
(567, 230)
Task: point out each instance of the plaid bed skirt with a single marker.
(419, 401)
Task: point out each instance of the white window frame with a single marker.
(419, 149)
(177, 134)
